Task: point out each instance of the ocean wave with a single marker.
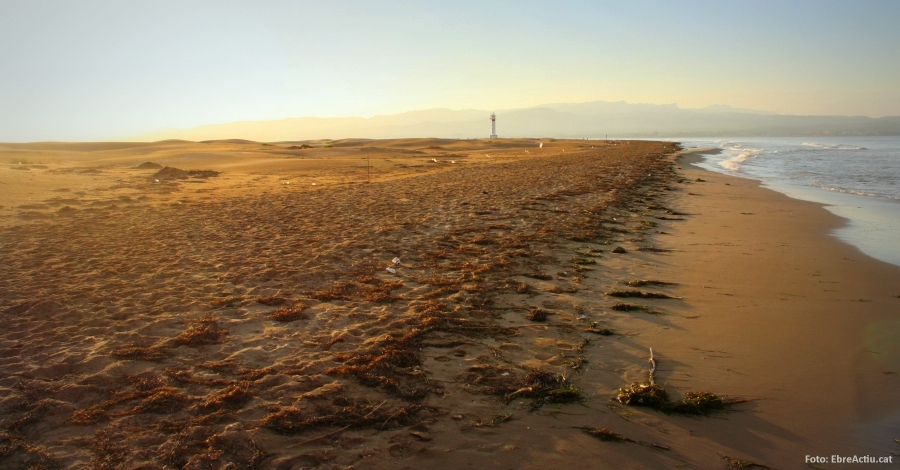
(831, 146)
(733, 164)
(838, 189)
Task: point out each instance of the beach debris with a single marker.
(541, 146)
(314, 184)
(619, 249)
(537, 315)
(638, 293)
(434, 160)
(396, 261)
(391, 270)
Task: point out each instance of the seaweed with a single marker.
(289, 314)
(638, 294)
(130, 351)
(545, 387)
(205, 331)
(740, 463)
(646, 282)
(537, 315)
(540, 276)
(271, 301)
(623, 307)
(594, 328)
(496, 420)
(338, 291)
(232, 398)
(345, 413)
(655, 396)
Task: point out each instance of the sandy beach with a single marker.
(425, 303)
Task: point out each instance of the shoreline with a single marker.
(825, 296)
(872, 218)
(173, 311)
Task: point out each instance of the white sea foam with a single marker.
(831, 146)
(733, 164)
(838, 189)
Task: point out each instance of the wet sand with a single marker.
(249, 319)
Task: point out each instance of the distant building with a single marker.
(493, 126)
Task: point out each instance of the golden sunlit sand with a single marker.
(423, 303)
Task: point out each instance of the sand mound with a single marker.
(149, 166)
(171, 173)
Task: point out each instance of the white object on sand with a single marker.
(396, 261)
(392, 270)
(434, 160)
(542, 145)
(314, 184)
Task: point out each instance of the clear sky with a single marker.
(92, 70)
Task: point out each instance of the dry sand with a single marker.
(248, 319)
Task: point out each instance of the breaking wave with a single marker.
(831, 146)
(733, 164)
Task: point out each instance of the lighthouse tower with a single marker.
(493, 126)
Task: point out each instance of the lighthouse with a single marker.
(493, 126)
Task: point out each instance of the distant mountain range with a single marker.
(594, 119)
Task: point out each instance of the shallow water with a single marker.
(857, 178)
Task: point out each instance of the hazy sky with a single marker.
(83, 70)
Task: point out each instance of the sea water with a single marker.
(857, 178)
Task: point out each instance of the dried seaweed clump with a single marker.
(596, 329)
(623, 307)
(130, 351)
(345, 413)
(605, 434)
(546, 387)
(271, 301)
(639, 294)
(650, 395)
(655, 396)
(395, 364)
(338, 291)
(647, 282)
(232, 398)
(697, 403)
(289, 314)
(379, 291)
(537, 315)
(205, 331)
(740, 463)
